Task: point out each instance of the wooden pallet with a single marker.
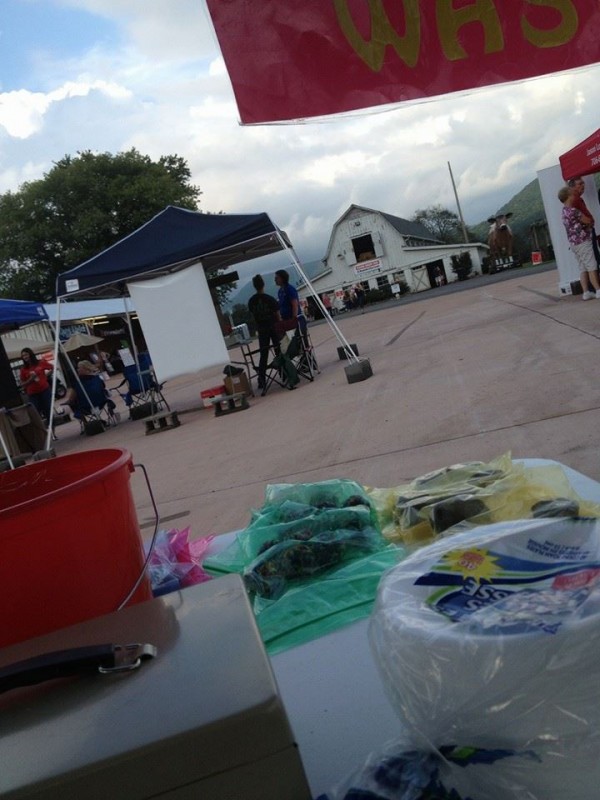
(162, 422)
(230, 403)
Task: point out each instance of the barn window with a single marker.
(364, 248)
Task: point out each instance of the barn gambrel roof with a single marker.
(405, 227)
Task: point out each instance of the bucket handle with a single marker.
(152, 542)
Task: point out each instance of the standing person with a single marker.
(578, 187)
(34, 381)
(326, 300)
(265, 310)
(579, 233)
(359, 293)
(439, 276)
(289, 302)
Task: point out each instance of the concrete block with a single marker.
(142, 410)
(342, 355)
(358, 371)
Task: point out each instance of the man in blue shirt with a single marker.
(289, 302)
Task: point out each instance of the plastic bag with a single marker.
(415, 513)
(175, 561)
(403, 771)
(302, 531)
(487, 644)
(311, 558)
(447, 501)
(334, 493)
(491, 638)
(317, 607)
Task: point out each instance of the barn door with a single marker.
(420, 279)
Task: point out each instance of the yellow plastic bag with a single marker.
(467, 495)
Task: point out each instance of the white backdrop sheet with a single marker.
(550, 181)
(179, 322)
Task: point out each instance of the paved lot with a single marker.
(457, 376)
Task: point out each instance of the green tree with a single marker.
(441, 223)
(84, 204)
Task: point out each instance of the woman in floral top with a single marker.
(579, 234)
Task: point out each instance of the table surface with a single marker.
(333, 693)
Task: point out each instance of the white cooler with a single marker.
(202, 719)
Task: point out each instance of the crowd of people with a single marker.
(354, 297)
(581, 234)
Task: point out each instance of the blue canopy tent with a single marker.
(14, 313)
(174, 240)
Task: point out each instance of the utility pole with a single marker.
(462, 222)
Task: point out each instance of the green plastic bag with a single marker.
(311, 558)
(318, 607)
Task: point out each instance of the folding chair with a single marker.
(302, 353)
(96, 413)
(286, 364)
(144, 395)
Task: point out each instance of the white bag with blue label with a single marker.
(491, 639)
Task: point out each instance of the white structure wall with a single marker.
(370, 246)
(551, 180)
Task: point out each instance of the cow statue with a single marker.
(500, 241)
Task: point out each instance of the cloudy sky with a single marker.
(108, 75)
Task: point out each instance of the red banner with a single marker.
(292, 59)
(584, 159)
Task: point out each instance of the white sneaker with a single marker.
(597, 295)
(587, 295)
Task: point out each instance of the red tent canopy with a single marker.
(582, 159)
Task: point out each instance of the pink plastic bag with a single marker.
(176, 562)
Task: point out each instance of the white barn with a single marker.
(379, 250)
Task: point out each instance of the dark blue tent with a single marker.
(172, 240)
(14, 313)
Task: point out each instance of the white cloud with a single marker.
(173, 30)
(330, 169)
(12, 177)
(165, 90)
(22, 112)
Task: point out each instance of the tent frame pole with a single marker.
(136, 355)
(350, 354)
(6, 453)
(57, 346)
(54, 330)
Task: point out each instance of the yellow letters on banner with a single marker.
(372, 52)
(449, 21)
(561, 34)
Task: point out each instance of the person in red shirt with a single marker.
(34, 381)
(578, 186)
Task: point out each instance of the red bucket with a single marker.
(70, 542)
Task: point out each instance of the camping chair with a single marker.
(96, 411)
(287, 364)
(280, 371)
(144, 395)
(302, 353)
